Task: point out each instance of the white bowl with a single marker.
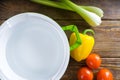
(32, 47)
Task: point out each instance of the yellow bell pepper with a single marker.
(83, 50)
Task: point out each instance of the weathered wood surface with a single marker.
(107, 34)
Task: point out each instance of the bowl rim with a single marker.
(8, 72)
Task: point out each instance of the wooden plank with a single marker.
(2, 21)
(71, 73)
(113, 64)
(9, 8)
(107, 37)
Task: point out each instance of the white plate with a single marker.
(33, 47)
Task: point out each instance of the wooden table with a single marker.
(107, 34)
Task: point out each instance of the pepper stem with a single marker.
(88, 30)
(74, 29)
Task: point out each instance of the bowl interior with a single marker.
(34, 48)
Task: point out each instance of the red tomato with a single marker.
(85, 74)
(104, 74)
(93, 61)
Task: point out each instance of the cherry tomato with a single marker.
(93, 61)
(85, 74)
(104, 74)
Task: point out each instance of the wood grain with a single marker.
(12, 7)
(113, 64)
(107, 35)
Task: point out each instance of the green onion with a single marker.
(92, 15)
